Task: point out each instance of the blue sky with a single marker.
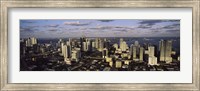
(99, 28)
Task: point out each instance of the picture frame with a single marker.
(7, 4)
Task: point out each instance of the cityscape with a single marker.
(99, 45)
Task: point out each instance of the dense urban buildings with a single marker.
(98, 54)
(99, 45)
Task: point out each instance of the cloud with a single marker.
(172, 26)
(28, 28)
(148, 23)
(27, 21)
(52, 25)
(105, 20)
(77, 23)
(172, 31)
(53, 30)
(112, 28)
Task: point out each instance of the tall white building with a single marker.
(31, 41)
(141, 53)
(165, 47)
(76, 54)
(152, 60)
(123, 46)
(62, 48)
(115, 46)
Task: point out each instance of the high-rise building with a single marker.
(62, 48)
(33, 41)
(151, 51)
(152, 60)
(97, 43)
(84, 46)
(123, 45)
(93, 46)
(101, 45)
(105, 53)
(133, 51)
(165, 47)
(141, 53)
(82, 40)
(28, 42)
(76, 54)
(67, 51)
(115, 46)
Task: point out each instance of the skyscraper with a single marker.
(152, 60)
(123, 45)
(141, 53)
(165, 47)
(105, 53)
(33, 41)
(76, 54)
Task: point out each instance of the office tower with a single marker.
(82, 40)
(84, 46)
(151, 51)
(33, 41)
(152, 60)
(67, 51)
(115, 46)
(28, 42)
(105, 53)
(59, 43)
(97, 43)
(64, 51)
(141, 53)
(89, 45)
(162, 50)
(118, 64)
(62, 48)
(120, 41)
(132, 52)
(100, 45)
(165, 47)
(93, 46)
(123, 45)
(168, 52)
(76, 54)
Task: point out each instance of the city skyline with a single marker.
(98, 28)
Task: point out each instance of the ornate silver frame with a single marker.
(6, 4)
